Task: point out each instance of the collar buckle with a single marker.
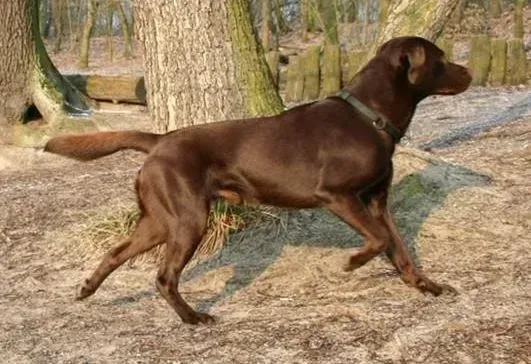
(379, 123)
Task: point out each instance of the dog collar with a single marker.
(378, 121)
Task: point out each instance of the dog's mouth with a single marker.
(454, 89)
(448, 91)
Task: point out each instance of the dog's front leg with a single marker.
(396, 249)
(399, 256)
(354, 212)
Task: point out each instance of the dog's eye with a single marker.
(438, 68)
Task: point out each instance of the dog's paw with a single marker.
(84, 291)
(199, 318)
(425, 285)
(446, 288)
(354, 262)
(205, 318)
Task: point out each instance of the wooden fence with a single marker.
(322, 71)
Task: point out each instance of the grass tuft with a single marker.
(106, 229)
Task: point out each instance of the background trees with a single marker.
(30, 85)
(203, 62)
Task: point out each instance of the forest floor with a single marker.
(462, 199)
(280, 296)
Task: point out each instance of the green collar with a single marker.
(378, 121)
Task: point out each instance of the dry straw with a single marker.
(102, 231)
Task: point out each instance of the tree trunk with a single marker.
(126, 31)
(425, 18)
(279, 16)
(495, 8)
(58, 21)
(109, 9)
(309, 14)
(304, 14)
(458, 13)
(519, 18)
(203, 62)
(265, 29)
(328, 16)
(29, 81)
(384, 8)
(92, 6)
(44, 18)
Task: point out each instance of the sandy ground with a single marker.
(280, 296)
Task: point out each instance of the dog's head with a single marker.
(423, 66)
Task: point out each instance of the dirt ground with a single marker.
(280, 296)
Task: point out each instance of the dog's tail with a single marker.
(90, 146)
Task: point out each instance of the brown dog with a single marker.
(334, 153)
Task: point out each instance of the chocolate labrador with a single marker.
(333, 153)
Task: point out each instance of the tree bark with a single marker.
(109, 9)
(495, 8)
(203, 62)
(425, 18)
(328, 16)
(350, 11)
(519, 18)
(44, 18)
(265, 29)
(126, 31)
(458, 13)
(304, 15)
(383, 9)
(28, 79)
(92, 6)
(58, 21)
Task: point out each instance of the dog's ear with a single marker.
(415, 57)
(405, 55)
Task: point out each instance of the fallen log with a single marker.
(128, 89)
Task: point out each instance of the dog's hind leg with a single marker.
(146, 236)
(188, 230)
(174, 191)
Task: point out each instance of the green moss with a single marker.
(273, 59)
(294, 79)
(48, 78)
(260, 95)
(479, 59)
(310, 68)
(413, 198)
(328, 19)
(498, 56)
(447, 46)
(519, 18)
(516, 70)
(331, 70)
(353, 61)
(416, 16)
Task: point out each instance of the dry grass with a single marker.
(106, 228)
(463, 209)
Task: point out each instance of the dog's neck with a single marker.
(384, 93)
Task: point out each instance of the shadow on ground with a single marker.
(413, 198)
